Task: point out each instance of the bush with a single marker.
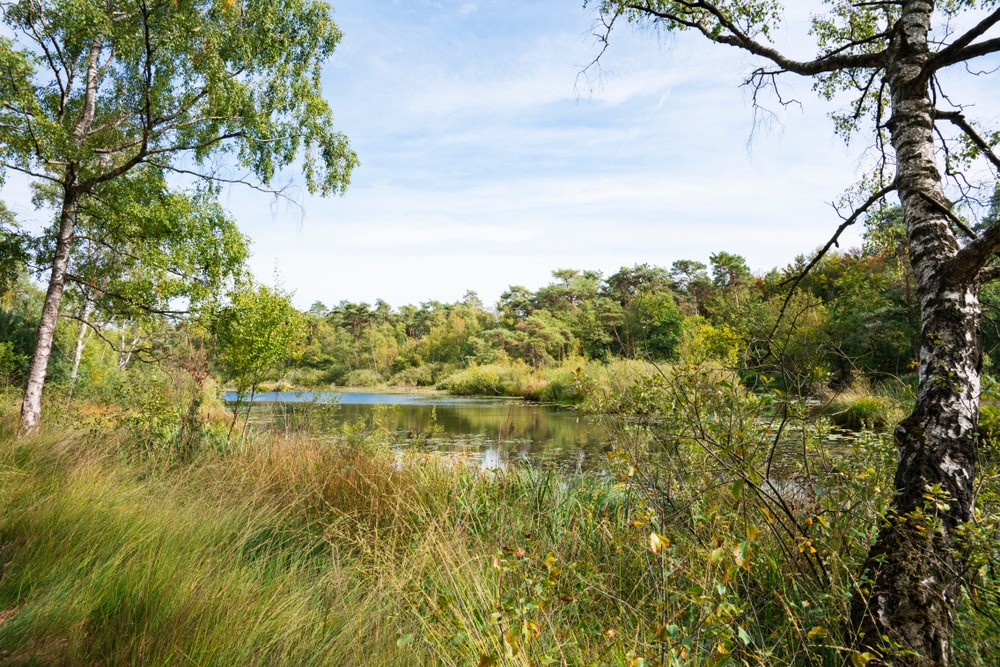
(476, 381)
(306, 377)
(363, 377)
(335, 374)
(562, 386)
(415, 376)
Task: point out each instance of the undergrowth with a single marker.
(717, 536)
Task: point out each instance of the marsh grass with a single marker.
(283, 549)
(861, 407)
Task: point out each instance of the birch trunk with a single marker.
(81, 338)
(31, 406)
(914, 567)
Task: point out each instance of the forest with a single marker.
(790, 467)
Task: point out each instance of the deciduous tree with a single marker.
(93, 90)
(891, 57)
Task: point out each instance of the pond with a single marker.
(490, 432)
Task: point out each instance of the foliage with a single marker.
(305, 551)
(254, 334)
(103, 101)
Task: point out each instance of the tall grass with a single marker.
(699, 546)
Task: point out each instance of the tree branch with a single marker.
(948, 55)
(957, 119)
(958, 222)
(970, 260)
(826, 248)
(989, 274)
(124, 299)
(973, 51)
(736, 37)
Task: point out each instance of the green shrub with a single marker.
(562, 386)
(474, 381)
(335, 374)
(363, 377)
(415, 376)
(306, 377)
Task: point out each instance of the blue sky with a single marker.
(487, 159)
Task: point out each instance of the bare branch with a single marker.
(958, 222)
(973, 51)
(834, 241)
(957, 119)
(957, 51)
(738, 38)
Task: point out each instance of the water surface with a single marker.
(491, 432)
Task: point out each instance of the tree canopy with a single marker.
(102, 99)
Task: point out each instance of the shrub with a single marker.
(363, 377)
(474, 381)
(415, 376)
(335, 374)
(305, 377)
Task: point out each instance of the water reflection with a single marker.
(492, 433)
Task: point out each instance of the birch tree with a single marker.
(226, 90)
(889, 57)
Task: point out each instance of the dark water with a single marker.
(490, 432)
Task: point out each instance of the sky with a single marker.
(490, 158)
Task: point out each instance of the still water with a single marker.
(490, 432)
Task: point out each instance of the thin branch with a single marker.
(973, 51)
(124, 299)
(957, 119)
(218, 179)
(834, 241)
(736, 37)
(948, 53)
(940, 206)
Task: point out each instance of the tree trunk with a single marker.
(904, 609)
(81, 338)
(31, 406)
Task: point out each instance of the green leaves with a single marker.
(255, 333)
(172, 78)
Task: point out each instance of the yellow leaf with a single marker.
(753, 532)
(818, 631)
(658, 542)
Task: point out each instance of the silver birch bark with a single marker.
(31, 406)
(916, 562)
(81, 338)
(903, 609)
